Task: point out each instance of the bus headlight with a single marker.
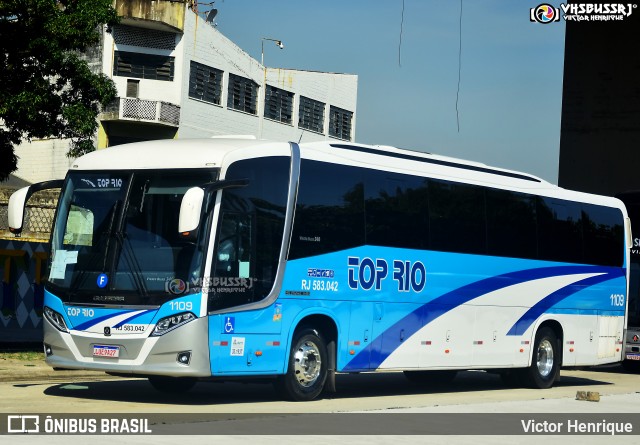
(168, 324)
(55, 319)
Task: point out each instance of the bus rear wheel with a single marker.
(307, 368)
(631, 366)
(545, 364)
(172, 384)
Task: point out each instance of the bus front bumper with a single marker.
(183, 352)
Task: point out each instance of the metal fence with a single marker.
(126, 108)
(38, 218)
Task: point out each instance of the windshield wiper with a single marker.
(225, 184)
(210, 187)
(132, 261)
(98, 254)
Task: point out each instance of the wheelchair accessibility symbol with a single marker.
(230, 325)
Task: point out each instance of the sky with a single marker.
(510, 95)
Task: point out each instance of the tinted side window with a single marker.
(511, 224)
(457, 217)
(559, 230)
(329, 211)
(249, 233)
(396, 209)
(341, 207)
(603, 230)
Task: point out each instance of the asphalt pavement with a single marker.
(616, 400)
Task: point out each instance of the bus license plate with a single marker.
(633, 357)
(106, 351)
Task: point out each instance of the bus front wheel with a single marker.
(307, 368)
(546, 360)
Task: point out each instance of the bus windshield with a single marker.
(115, 238)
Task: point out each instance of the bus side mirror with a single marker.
(190, 209)
(16, 206)
(627, 226)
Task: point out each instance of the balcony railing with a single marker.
(126, 108)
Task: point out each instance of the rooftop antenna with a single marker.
(208, 16)
(211, 15)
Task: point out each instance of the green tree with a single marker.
(46, 88)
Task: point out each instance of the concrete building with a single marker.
(600, 131)
(178, 77)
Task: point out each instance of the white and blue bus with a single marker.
(237, 258)
(631, 361)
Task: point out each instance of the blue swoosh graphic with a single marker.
(123, 322)
(94, 321)
(374, 354)
(550, 300)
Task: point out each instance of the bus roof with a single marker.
(211, 153)
(168, 153)
(195, 153)
(416, 162)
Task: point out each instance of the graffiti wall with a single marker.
(22, 267)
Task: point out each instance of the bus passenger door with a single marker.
(246, 343)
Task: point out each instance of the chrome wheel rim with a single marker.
(545, 358)
(307, 363)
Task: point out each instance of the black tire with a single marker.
(545, 363)
(431, 377)
(632, 366)
(307, 369)
(172, 384)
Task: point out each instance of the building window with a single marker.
(143, 66)
(278, 105)
(340, 123)
(243, 94)
(311, 115)
(205, 83)
(133, 87)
